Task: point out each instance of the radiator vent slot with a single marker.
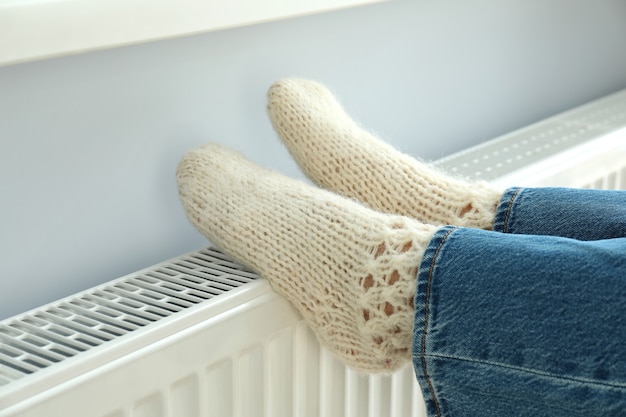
(44, 337)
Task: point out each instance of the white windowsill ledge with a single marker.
(37, 29)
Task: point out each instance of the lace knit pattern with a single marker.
(337, 154)
(348, 270)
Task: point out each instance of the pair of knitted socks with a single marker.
(346, 254)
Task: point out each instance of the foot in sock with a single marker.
(337, 154)
(349, 270)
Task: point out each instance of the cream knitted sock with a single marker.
(337, 154)
(348, 270)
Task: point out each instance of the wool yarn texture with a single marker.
(349, 270)
(339, 155)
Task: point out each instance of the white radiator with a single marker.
(200, 335)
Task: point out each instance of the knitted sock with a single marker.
(334, 152)
(350, 271)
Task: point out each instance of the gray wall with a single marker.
(89, 143)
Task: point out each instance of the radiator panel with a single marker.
(203, 336)
(190, 374)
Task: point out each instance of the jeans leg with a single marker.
(521, 325)
(567, 212)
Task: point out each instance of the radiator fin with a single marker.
(250, 382)
(219, 389)
(185, 398)
(615, 180)
(149, 407)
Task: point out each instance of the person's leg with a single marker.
(541, 315)
(575, 213)
(521, 325)
(349, 271)
(337, 154)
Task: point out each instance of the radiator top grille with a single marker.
(41, 338)
(517, 149)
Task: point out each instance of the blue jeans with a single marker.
(528, 319)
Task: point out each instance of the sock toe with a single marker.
(350, 271)
(339, 155)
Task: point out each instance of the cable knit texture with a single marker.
(337, 154)
(348, 270)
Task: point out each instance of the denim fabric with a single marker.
(519, 325)
(575, 213)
